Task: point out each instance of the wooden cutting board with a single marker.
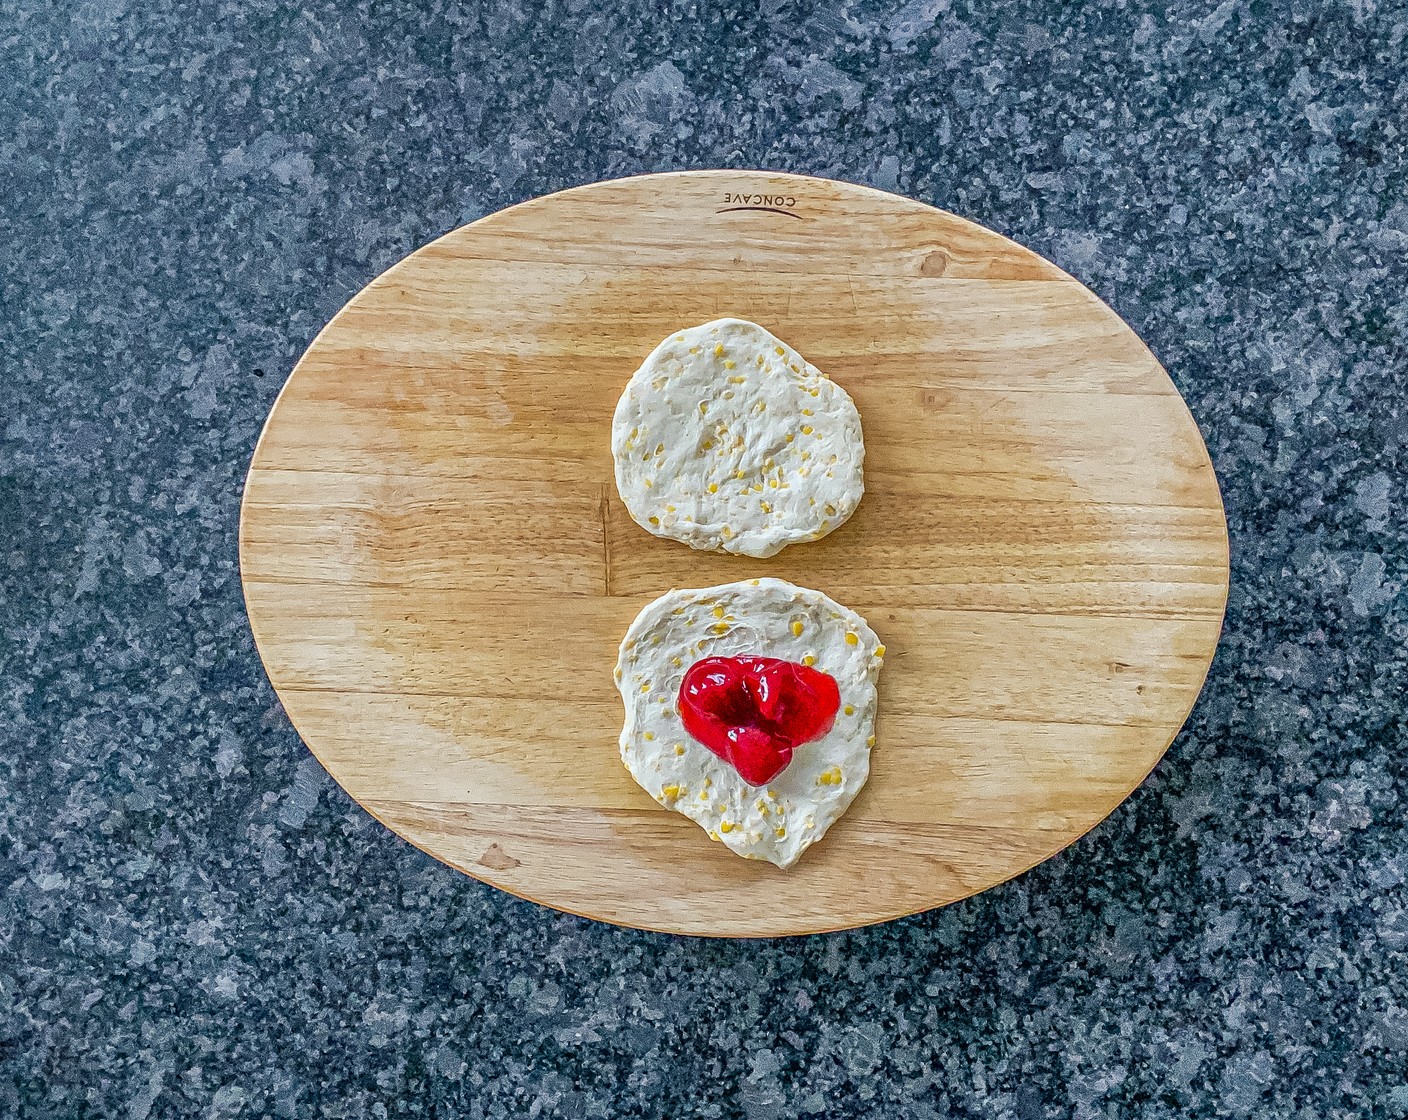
(438, 568)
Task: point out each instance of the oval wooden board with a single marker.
(438, 568)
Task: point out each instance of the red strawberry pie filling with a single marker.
(753, 712)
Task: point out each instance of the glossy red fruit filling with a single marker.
(754, 711)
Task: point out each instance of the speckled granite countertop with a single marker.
(194, 921)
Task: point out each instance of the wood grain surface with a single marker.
(438, 568)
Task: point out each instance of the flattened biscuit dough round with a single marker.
(774, 618)
(727, 438)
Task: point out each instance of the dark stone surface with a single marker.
(194, 921)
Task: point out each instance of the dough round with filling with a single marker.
(727, 438)
(768, 617)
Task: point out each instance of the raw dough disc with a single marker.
(727, 438)
(771, 617)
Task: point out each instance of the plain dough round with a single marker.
(772, 617)
(728, 439)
